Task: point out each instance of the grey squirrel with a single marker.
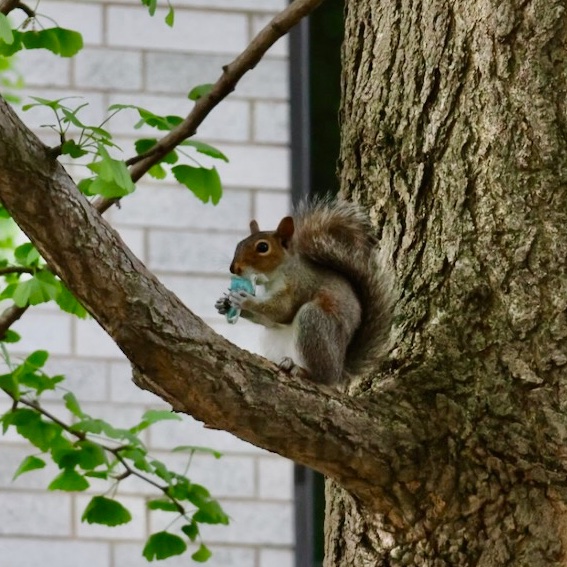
(325, 298)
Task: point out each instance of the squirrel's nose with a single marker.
(235, 268)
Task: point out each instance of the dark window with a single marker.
(315, 97)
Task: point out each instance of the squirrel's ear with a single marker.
(285, 230)
(254, 228)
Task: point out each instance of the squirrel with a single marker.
(326, 299)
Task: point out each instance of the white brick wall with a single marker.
(130, 58)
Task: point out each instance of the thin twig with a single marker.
(226, 83)
(16, 270)
(113, 450)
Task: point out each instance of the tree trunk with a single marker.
(454, 134)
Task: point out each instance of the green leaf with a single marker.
(37, 359)
(162, 471)
(157, 171)
(170, 18)
(206, 149)
(200, 91)
(27, 255)
(113, 177)
(8, 48)
(162, 504)
(69, 303)
(41, 287)
(211, 513)
(69, 480)
(72, 404)
(101, 510)
(60, 41)
(29, 464)
(91, 455)
(196, 449)
(71, 148)
(10, 383)
(191, 530)
(204, 183)
(162, 545)
(99, 426)
(29, 424)
(6, 34)
(151, 4)
(138, 457)
(202, 554)
(10, 337)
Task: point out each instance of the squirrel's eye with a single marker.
(262, 247)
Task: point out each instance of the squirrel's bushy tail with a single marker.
(339, 234)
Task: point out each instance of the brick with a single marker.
(199, 294)
(135, 239)
(166, 435)
(271, 122)
(45, 514)
(179, 251)
(54, 553)
(176, 73)
(92, 340)
(43, 68)
(194, 30)
(269, 79)
(118, 414)
(256, 5)
(84, 18)
(100, 69)
(37, 331)
(270, 208)
(38, 479)
(256, 166)
(276, 558)
(123, 390)
(87, 379)
(133, 530)
(230, 476)
(275, 478)
(130, 555)
(254, 523)
(91, 114)
(163, 205)
(229, 121)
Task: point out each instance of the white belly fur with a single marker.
(280, 342)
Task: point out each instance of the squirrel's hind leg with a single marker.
(321, 343)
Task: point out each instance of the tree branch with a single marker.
(182, 360)
(226, 83)
(9, 317)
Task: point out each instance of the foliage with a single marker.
(88, 447)
(91, 448)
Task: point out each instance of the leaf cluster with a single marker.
(91, 447)
(29, 282)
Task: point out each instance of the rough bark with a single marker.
(454, 134)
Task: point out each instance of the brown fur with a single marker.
(321, 273)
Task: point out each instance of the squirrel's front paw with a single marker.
(241, 299)
(222, 305)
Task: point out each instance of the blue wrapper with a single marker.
(237, 283)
